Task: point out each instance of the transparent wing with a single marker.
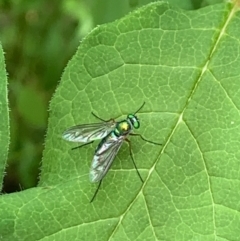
(88, 132)
(104, 156)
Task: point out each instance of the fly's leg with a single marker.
(140, 108)
(82, 145)
(101, 118)
(95, 194)
(110, 120)
(152, 142)
(131, 155)
(98, 117)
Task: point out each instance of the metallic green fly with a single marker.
(113, 134)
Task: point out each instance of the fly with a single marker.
(112, 135)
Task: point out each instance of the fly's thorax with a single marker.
(122, 128)
(134, 121)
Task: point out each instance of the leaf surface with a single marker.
(185, 65)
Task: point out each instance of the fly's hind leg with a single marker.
(85, 144)
(95, 194)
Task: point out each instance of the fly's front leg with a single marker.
(131, 155)
(152, 142)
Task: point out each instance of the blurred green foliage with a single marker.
(38, 38)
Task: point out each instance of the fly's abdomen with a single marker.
(104, 156)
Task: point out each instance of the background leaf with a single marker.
(185, 65)
(4, 126)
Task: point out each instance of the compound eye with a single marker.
(136, 124)
(134, 121)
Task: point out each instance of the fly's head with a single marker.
(134, 121)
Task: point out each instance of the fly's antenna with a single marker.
(140, 108)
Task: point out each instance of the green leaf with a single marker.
(185, 65)
(4, 119)
(32, 111)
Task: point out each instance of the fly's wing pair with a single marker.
(89, 132)
(106, 150)
(104, 156)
